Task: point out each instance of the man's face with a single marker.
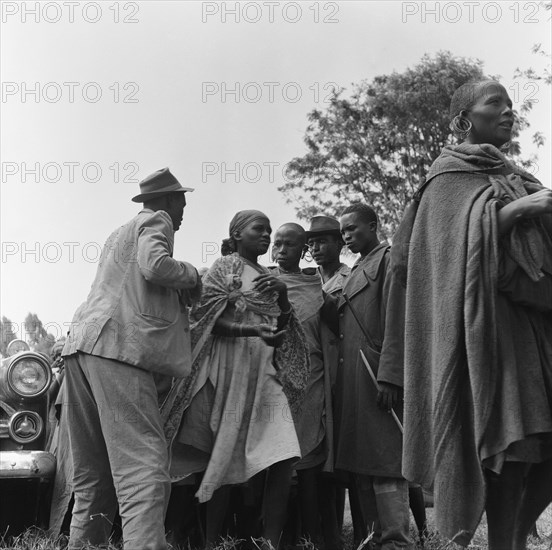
(175, 208)
(288, 248)
(358, 234)
(325, 249)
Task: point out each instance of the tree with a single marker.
(532, 79)
(377, 145)
(37, 337)
(7, 334)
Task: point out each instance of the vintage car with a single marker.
(28, 390)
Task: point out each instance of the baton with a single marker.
(365, 361)
(372, 376)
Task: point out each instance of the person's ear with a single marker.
(304, 251)
(374, 227)
(236, 235)
(463, 114)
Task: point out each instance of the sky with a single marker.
(97, 95)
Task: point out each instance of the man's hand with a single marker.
(270, 337)
(389, 395)
(195, 293)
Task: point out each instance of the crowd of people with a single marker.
(425, 364)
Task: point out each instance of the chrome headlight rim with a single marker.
(13, 425)
(37, 358)
(17, 342)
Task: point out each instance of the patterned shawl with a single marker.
(222, 286)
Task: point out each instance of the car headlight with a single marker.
(29, 374)
(25, 426)
(15, 346)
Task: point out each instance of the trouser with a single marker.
(118, 451)
(318, 506)
(386, 510)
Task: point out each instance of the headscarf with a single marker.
(239, 222)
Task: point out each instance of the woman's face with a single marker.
(491, 115)
(254, 240)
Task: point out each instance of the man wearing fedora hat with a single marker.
(131, 332)
(325, 244)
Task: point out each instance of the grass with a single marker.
(35, 539)
(479, 541)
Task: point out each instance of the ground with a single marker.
(35, 540)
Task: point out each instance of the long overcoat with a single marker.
(367, 439)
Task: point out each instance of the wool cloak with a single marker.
(475, 329)
(314, 422)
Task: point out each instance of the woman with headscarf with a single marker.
(233, 416)
(478, 320)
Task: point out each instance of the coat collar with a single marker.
(364, 272)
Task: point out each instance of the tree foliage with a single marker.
(37, 336)
(7, 334)
(377, 145)
(531, 80)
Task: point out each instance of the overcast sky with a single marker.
(98, 95)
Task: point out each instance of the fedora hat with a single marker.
(323, 225)
(158, 184)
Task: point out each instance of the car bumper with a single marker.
(27, 464)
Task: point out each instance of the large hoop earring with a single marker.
(461, 127)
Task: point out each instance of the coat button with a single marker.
(341, 336)
(341, 360)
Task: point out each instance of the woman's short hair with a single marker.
(463, 99)
(466, 95)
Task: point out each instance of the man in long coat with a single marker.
(368, 438)
(325, 245)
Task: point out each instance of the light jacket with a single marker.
(135, 311)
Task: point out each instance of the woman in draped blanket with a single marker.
(233, 416)
(476, 259)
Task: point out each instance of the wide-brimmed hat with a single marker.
(158, 184)
(323, 225)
